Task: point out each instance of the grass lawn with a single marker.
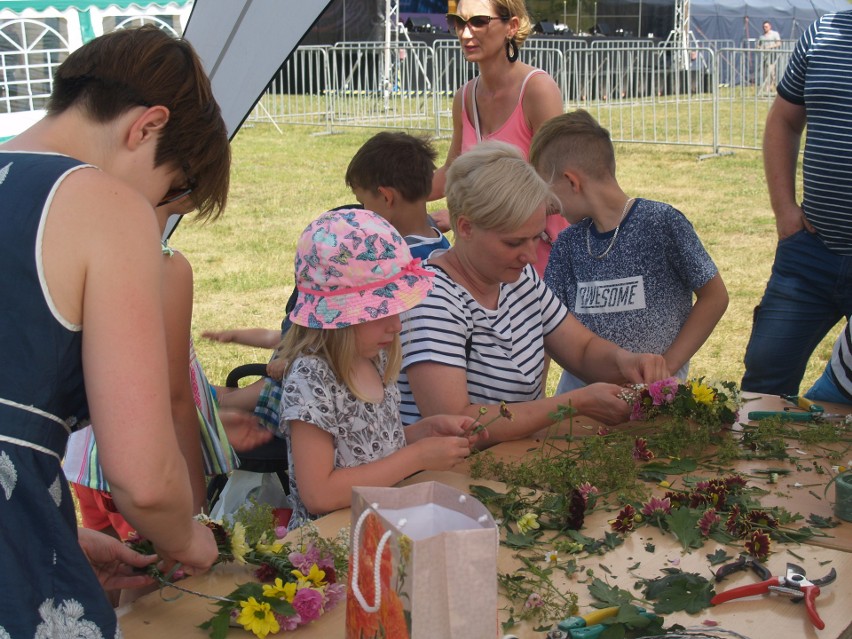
(244, 261)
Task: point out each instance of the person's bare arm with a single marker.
(177, 317)
(324, 488)
(710, 304)
(439, 388)
(257, 337)
(439, 179)
(542, 100)
(102, 252)
(781, 139)
(592, 358)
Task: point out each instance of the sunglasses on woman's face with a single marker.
(476, 23)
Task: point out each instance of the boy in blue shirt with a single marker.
(626, 267)
(391, 174)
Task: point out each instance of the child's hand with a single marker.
(276, 367)
(453, 425)
(243, 429)
(442, 453)
(220, 336)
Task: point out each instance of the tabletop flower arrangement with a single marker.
(300, 576)
(686, 416)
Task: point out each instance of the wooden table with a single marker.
(763, 617)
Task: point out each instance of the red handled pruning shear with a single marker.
(794, 585)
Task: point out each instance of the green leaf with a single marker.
(611, 540)
(655, 476)
(683, 523)
(281, 607)
(649, 547)
(718, 557)
(822, 522)
(506, 625)
(218, 624)
(517, 540)
(685, 591)
(484, 493)
(609, 595)
(614, 631)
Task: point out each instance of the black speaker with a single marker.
(602, 28)
(545, 28)
(419, 24)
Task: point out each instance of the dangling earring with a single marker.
(511, 50)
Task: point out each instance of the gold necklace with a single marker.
(614, 235)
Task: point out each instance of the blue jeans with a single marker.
(826, 389)
(809, 291)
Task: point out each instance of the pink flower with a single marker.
(334, 594)
(709, 519)
(603, 431)
(303, 561)
(657, 507)
(587, 490)
(533, 601)
(288, 624)
(641, 452)
(638, 413)
(308, 603)
(663, 391)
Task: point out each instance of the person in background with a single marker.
(481, 336)
(769, 42)
(131, 122)
(810, 287)
(626, 267)
(509, 99)
(340, 405)
(391, 174)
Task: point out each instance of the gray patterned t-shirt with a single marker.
(639, 294)
(363, 431)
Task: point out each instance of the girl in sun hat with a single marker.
(340, 403)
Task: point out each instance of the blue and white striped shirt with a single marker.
(506, 353)
(819, 77)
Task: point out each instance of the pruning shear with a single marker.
(810, 412)
(794, 585)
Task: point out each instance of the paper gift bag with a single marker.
(423, 564)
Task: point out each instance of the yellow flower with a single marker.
(280, 590)
(238, 543)
(701, 393)
(315, 576)
(528, 522)
(273, 548)
(258, 618)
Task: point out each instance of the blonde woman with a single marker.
(482, 334)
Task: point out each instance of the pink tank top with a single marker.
(516, 131)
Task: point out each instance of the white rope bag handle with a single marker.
(356, 540)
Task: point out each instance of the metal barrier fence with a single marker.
(713, 96)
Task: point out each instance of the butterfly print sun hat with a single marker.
(353, 267)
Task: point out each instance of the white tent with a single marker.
(242, 45)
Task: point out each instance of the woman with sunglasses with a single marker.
(131, 121)
(509, 100)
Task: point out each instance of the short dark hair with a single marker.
(575, 139)
(397, 160)
(147, 67)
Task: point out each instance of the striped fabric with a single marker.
(506, 353)
(841, 361)
(819, 77)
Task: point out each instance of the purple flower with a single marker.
(308, 603)
(663, 391)
(587, 490)
(288, 624)
(304, 561)
(334, 594)
(709, 519)
(657, 507)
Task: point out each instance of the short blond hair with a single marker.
(494, 187)
(339, 349)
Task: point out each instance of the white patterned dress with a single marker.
(363, 432)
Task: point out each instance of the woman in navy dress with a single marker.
(131, 122)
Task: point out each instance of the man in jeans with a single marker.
(810, 288)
